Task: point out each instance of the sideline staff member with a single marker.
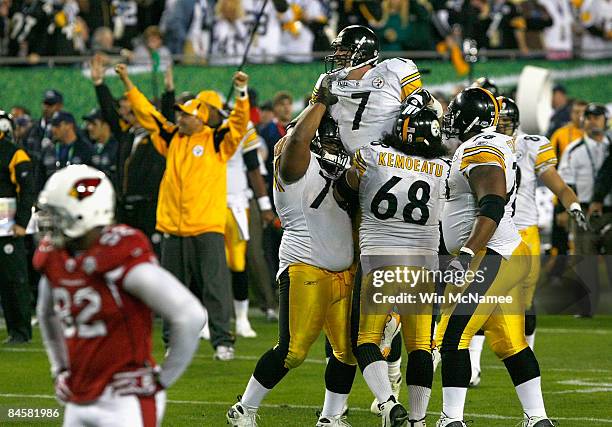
(16, 199)
(191, 210)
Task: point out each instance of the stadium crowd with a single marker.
(147, 32)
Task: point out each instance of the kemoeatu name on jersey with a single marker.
(409, 163)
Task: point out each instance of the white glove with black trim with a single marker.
(458, 266)
(576, 212)
(415, 103)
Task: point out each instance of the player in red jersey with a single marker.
(100, 286)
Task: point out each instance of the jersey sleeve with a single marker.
(359, 161)
(251, 140)
(545, 157)
(120, 249)
(408, 75)
(482, 155)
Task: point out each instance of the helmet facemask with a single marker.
(331, 156)
(52, 220)
(347, 58)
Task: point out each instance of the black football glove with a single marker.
(322, 91)
(415, 103)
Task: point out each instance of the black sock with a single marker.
(240, 285)
(339, 376)
(522, 367)
(420, 369)
(270, 368)
(368, 353)
(456, 368)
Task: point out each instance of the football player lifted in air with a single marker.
(370, 94)
(316, 253)
(536, 159)
(479, 231)
(399, 181)
(100, 286)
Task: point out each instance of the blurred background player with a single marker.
(579, 167)
(304, 170)
(99, 288)
(536, 160)
(480, 234)
(17, 196)
(404, 170)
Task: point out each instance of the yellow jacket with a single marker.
(564, 136)
(192, 194)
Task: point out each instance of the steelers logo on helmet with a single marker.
(435, 128)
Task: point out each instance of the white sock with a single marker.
(531, 340)
(376, 376)
(395, 370)
(476, 346)
(530, 395)
(254, 394)
(419, 399)
(334, 404)
(453, 401)
(241, 308)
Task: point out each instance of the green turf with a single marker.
(574, 355)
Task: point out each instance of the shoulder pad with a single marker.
(121, 246)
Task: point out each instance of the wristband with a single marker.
(575, 207)
(467, 250)
(264, 203)
(243, 92)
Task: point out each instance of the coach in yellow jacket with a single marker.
(192, 196)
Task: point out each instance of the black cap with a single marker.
(62, 116)
(94, 114)
(52, 97)
(559, 88)
(594, 109)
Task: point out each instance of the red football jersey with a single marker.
(107, 330)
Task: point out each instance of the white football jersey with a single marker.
(238, 192)
(316, 231)
(229, 40)
(401, 199)
(534, 155)
(460, 209)
(368, 108)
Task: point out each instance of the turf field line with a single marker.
(575, 331)
(315, 407)
(323, 362)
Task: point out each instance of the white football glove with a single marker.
(576, 212)
(458, 266)
(62, 391)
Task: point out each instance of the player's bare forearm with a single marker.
(486, 182)
(257, 183)
(295, 157)
(555, 183)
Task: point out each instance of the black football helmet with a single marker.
(473, 110)
(6, 125)
(354, 47)
(328, 148)
(508, 116)
(488, 84)
(422, 127)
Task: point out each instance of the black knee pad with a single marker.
(368, 353)
(420, 369)
(523, 366)
(339, 376)
(240, 285)
(456, 368)
(396, 348)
